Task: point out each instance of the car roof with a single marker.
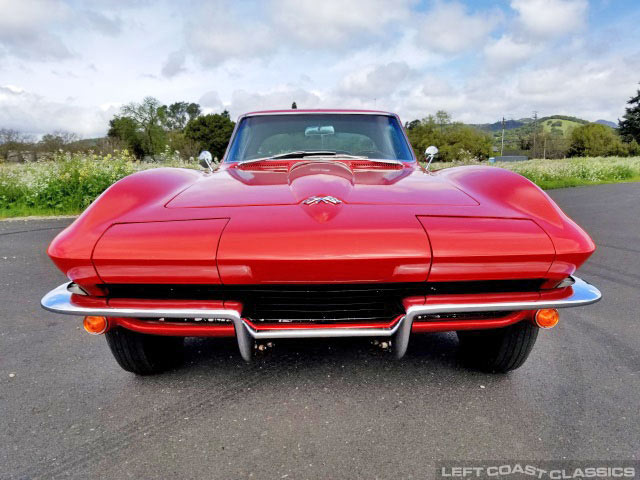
(319, 110)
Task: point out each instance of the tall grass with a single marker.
(570, 172)
(577, 171)
(70, 182)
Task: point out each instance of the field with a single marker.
(570, 172)
(556, 125)
(68, 184)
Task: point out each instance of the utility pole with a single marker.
(502, 144)
(535, 129)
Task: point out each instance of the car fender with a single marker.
(512, 194)
(71, 249)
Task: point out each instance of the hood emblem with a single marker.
(328, 199)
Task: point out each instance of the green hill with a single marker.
(559, 126)
(519, 138)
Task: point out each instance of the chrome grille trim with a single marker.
(59, 301)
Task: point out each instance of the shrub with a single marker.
(455, 141)
(594, 140)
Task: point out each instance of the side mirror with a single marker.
(206, 160)
(429, 153)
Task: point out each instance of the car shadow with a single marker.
(438, 350)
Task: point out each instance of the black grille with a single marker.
(323, 303)
(360, 302)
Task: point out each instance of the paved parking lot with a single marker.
(319, 409)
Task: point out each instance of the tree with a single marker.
(211, 132)
(455, 141)
(13, 140)
(629, 126)
(148, 117)
(125, 129)
(412, 124)
(442, 119)
(177, 115)
(594, 140)
(553, 144)
(57, 140)
(178, 142)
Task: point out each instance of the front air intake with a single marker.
(348, 302)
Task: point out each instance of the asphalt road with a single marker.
(319, 409)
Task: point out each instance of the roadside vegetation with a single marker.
(69, 182)
(568, 172)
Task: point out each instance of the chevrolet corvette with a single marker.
(320, 224)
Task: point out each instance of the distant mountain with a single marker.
(557, 122)
(608, 123)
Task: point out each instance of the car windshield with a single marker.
(312, 134)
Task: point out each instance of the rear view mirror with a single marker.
(431, 150)
(429, 153)
(206, 160)
(325, 130)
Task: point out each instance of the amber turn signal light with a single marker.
(95, 325)
(547, 317)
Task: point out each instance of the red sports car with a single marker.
(320, 223)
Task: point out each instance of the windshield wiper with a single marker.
(319, 153)
(382, 160)
(304, 153)
(295, 154)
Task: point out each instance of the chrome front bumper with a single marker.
(59, 301)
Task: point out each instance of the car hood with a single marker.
(265, 185)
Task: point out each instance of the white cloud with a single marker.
(222, 30)
(553, 18)
(331, 23)
(27, 28)
(449, 28)
(595, 85)
(277, 99)
(174, 64)
(35, 29)
(507, 52)
(436, 87)
(213, 46)
(376, 81)
(31, 113)
(211, 101)
(402, 56)
(103, 23)
(590, 89)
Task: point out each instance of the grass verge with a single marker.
(69, 183)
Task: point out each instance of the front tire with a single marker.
(498, 350)
(144, 354)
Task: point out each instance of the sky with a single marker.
(70, 65)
